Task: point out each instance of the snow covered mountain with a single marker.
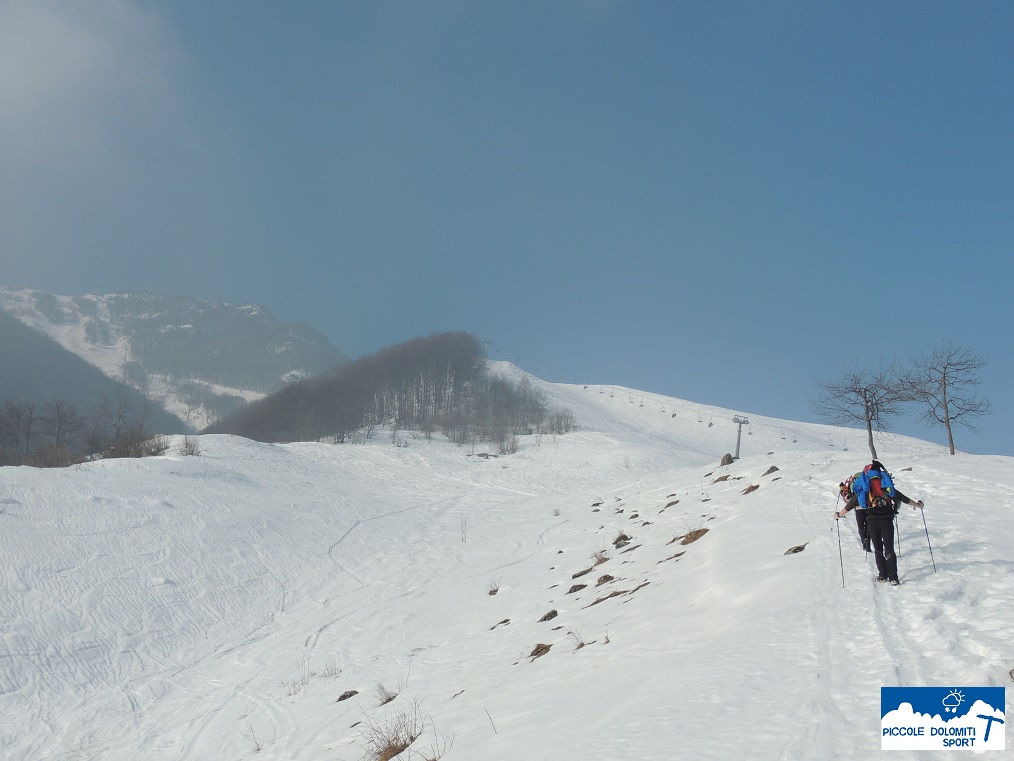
(198, 359)
(262, 601)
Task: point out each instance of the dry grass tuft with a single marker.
(385, 741)
(384, 695)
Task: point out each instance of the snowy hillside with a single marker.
(218, 606)
(199, 359)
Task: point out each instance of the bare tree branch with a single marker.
(944, 382)
(870, 396)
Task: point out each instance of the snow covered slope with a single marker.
(216, 607)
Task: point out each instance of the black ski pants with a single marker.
(864, 533)
(881, 531)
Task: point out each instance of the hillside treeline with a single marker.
(440, 382)
(54, 434)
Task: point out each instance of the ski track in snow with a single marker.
(165, 608)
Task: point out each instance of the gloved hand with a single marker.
(918, 504)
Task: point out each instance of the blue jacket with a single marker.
(861, 486)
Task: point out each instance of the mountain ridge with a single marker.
(197, 358)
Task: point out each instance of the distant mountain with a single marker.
(36, 370)
(199, 359)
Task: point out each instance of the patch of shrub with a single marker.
(190, 447)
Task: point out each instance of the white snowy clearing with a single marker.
(217, 606)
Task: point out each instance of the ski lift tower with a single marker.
(740, 421)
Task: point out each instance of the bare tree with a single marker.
(60, 420)
(862, 395)
(18, 418)
(119, 428)
(944, 380)
(115, 417)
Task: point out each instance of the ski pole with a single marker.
(928, 539)
(897, 531)
(840, 559)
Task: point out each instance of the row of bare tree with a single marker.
(941, 382)
(54, 434)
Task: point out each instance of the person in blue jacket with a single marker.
(874, 492)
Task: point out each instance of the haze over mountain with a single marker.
(198, 359)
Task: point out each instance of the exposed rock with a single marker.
(693, 536)
(539, 651)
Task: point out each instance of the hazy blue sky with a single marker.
(720, 201)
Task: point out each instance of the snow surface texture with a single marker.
(207, 607)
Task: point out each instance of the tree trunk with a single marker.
(947, 413)
(947, 425)
(869, 427)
